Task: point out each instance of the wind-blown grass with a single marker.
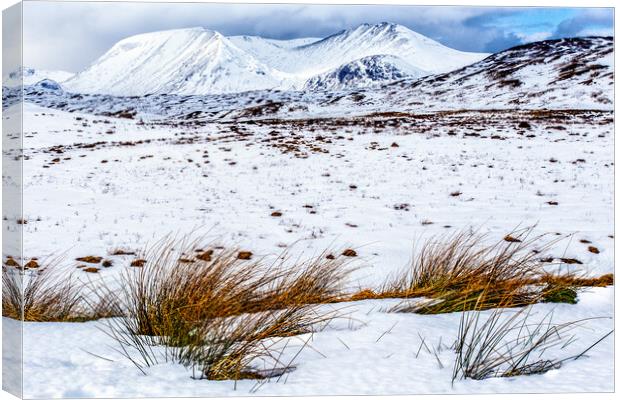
(44, 296)
(508, 343)
(459, 271)
(216, 313)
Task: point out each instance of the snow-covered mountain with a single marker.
(564, 73)
(575, 73)
(387, 39)
(184, 61)
(45, 86)
(365, 72)
(201, 61)
(268, 50)
(30, 76)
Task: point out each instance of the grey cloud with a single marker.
(587, 18)
(71, 35)
(502, 42)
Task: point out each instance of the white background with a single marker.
(558, 3)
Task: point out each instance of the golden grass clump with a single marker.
(43, 296)
(168, 292)
(39, 296)
(215, 313)
(578, 281)
(48, 294)
(317, 280)
(459, 271)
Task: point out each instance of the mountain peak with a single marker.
(384, 24)
(182, 34)
(383, 32)
(185, 61)
(198, 60)
(380, 27)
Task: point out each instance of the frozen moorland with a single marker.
(518, 139)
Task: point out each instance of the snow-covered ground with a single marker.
(376, 186)
(93, 184)
(378, 170)
(369, 352)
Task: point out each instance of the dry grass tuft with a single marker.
(576, 281)
(459, 271)
(563, 288)
(138, 263)
(248, 346)
(90, 259)
(10, 262)
(43, 296)
(215, 314)
(364, 294)
(234, 348)
(167, 291)
(38, 296)
(122, 252)
(349, 253)
(318, 280)
(507, 343)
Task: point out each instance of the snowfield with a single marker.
(379, 190)
(114, 183)
(523, 138)
(358, 355)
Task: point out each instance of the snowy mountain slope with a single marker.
(30, 76)
(389, 39)
(365, 72)
(200, 61)
(572, 73)
(576, 72)
(267, 50)
(556, 74)
(184, 61)
(45, 86)
(321, 56)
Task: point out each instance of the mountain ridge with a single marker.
(202, 61)
(561, 74)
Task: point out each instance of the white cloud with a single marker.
(596, 32)
(534, 36)
(70, 35)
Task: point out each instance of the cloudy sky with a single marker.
(69, 36)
